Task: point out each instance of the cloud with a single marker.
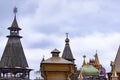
(77, 17)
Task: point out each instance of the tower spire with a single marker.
(67, 53)
(84, 62)
(14, 29)
(96, 63)
(13, 56)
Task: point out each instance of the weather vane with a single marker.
(15, 10)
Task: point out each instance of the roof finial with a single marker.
(84, 56)
(84, 62)
(15, 10)
(67, 40)
(66, 35)
(114, 72)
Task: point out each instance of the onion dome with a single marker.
(89, 70)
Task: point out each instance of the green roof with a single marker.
(89, 70)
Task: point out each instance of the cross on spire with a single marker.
(66, 35)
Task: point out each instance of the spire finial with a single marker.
(84, 56)
(15, 10)
(66, 35)
(96, 55)
(84, 62)
(114, 72)
(67, 40)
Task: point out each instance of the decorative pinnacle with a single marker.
(67, 40)
(66, 35)
(84, 56)
(96, 54)
(84, 62)
(15, 10)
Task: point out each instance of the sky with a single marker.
(92, 25)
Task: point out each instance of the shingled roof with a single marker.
(55, 59)
(13, 55)
(14, 25)
(67, 53)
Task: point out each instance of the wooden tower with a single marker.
(13, 65)
(67, 54)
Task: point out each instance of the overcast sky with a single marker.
(92, 25)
